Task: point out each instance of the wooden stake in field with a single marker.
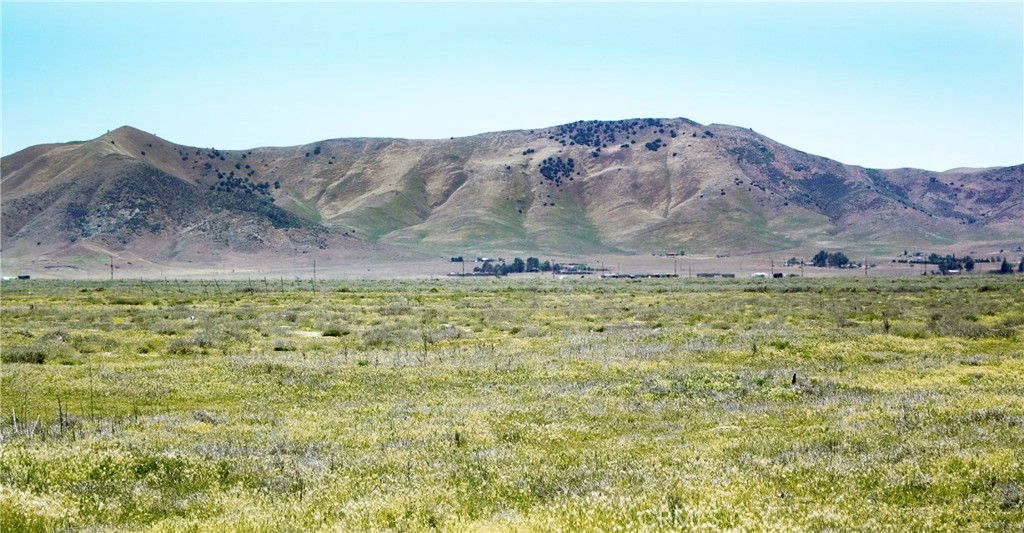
(92, 409)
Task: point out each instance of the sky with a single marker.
(882, 85)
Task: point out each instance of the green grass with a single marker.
(565, 226)
(388, 213)
(301, 208)
(483, 405)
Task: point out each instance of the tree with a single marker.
(1006, 267)
(1020, 267)
(532, 264)
(545, 266)
(838, 260)
(820, 259)
(969, 264)
(824, 259)
(518, 265)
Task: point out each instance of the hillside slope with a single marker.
(620, 186)
(130, 192)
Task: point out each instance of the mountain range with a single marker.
(629, 186)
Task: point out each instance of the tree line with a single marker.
(500, 267)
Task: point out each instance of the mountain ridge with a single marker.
(624, 186)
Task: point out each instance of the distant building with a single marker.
(654, 275)
(715, 275)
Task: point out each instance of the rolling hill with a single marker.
(586, 187)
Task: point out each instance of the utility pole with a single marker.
(111, 268)
(865, 267)
(314, 276)
(772, 260)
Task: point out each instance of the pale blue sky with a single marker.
(930, 85)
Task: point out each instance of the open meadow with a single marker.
(852, 404)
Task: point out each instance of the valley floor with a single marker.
(97, 267)
(496, 405)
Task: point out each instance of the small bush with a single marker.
(388, 335)
(335, 331)
(400, 307)
(180, 346)
(282, 345)
(93, 343)
(24, 354)
(202, 341)
(948, 324)
(59, 335)
(37, 353)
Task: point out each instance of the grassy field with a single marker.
(502, 405)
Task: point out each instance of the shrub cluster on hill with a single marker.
(230, 183)
(757, 154)
(601, 134)
(555, 168)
